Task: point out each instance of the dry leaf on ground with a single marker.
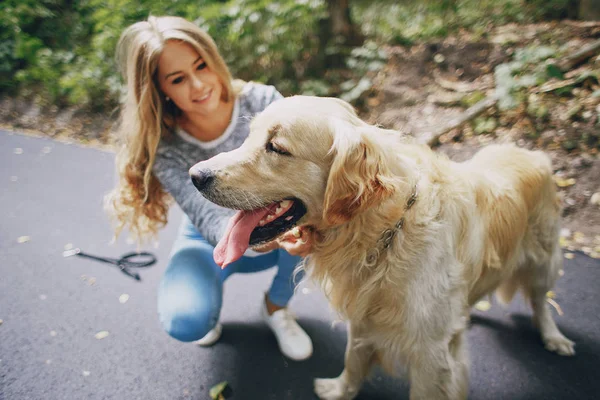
(561, 182)
(483, 305)
(556, 306)
(101, 335)
(217, 392)
(23, 239)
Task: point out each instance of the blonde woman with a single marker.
(181, 107)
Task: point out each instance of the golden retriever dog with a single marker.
(407, 241)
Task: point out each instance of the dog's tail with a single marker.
(507, 289)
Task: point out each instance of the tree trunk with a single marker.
(589, 10)
(337, 33)
(341, 23)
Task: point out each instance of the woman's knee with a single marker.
(189, 296)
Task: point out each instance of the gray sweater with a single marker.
(177, 153)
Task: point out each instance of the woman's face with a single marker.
(186, 79)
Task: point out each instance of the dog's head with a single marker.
(307, 160)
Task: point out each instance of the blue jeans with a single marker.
(190, 293)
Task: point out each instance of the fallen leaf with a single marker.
(569, 256)
(556, 306)
(579, 237)
(48, 362)
(595, 199)
(18, 150)
(53, 333)
(46, 150)
(561, 272)
(483, 305)
(563, 242)
(101, 335)
(1, 322)
(561, 182)
(216, 392)
(23, 239)
(550, 294)
(91, 281)
(123, 298)
(68, 246)
(86, 373)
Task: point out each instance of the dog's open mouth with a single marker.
(253, 227)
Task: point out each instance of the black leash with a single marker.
(127, 262)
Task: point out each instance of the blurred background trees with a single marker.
(61, 52)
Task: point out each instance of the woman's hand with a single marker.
(297, 242)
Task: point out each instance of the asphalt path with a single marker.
(52, 307)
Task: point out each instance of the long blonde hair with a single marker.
(139, 202)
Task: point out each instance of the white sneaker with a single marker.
(293, 342)
(211, 337)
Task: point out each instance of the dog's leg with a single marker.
(538, 285)
(358, 361)
(440, 371)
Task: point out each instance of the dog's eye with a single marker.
(275, 149)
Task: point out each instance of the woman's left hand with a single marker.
(298, 241)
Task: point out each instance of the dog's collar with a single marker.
(385, 240)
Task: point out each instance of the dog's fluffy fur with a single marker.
(487, 224)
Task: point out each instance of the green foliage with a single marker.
(472, 98)
(271, 42)
(551, 9)
(526, 70)
(484, 125)
(404, 22)
(62, 51)
(363, 60)
(66, 47)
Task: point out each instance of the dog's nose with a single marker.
(201, 178)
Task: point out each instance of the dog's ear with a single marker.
(358, 178)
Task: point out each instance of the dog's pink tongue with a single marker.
(237, 236)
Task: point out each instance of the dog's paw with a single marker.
(332, 389)
(560, 344)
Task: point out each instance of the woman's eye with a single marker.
(275, 149)
(200, 66)
(177, 80)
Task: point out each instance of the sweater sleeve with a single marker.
(209, 218)
(270, 95)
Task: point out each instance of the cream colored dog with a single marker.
(408, 240)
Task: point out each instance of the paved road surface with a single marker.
(52, 192)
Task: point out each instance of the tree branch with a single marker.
(579, 57)
(431, 138)
(565, 64)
